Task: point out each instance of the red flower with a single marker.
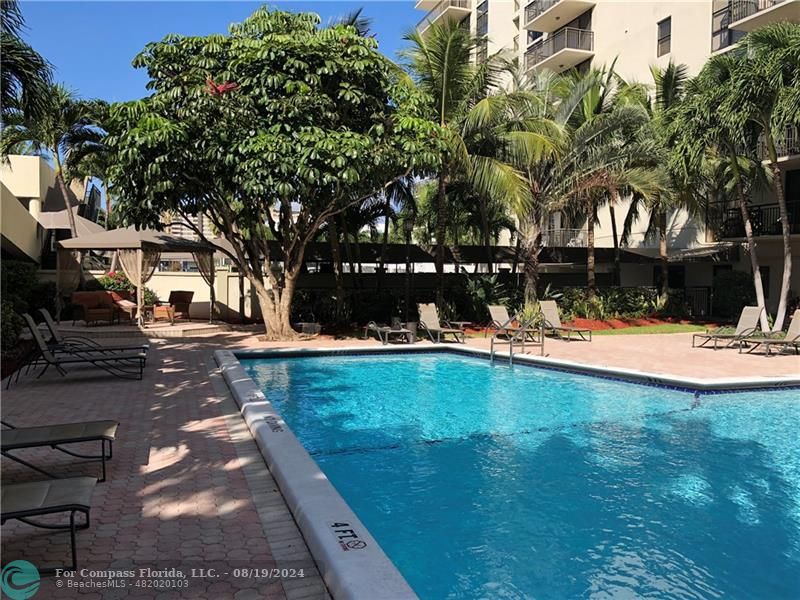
(219, 89)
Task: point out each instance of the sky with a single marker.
(91, 44)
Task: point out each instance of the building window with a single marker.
(664, 36)
(533, 36)
(482, 23)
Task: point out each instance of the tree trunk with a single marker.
(591, 283)
(487, 236)
(662, 254)
(617, 261)
(62, 187)
(387, 211)
(751, 245)
(336, 254)
(441, 228)
(786, 279)
(530, 246)
(517, 245)
(348, 250)
(276, 307)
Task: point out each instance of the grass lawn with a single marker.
(665, 328)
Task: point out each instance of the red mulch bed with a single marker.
(596, 324)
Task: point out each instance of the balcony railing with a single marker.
(721, 35)
(786, 145)
(437, 12)
(537, 7)
(741, 9)
(764, 218)
(564, 238)
(567, 38)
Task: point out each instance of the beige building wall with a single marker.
(628, 32)
(21, 233)
(27, 176)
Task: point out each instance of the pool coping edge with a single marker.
(315, 503)
(690, 384)
(350, 560)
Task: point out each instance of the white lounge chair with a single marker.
(429, 321)
(745, 328)
(789, 341)
(552, 323)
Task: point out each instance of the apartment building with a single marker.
(33, 215)
(560, 35)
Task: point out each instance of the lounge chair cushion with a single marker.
(58, 434)
(37, 497)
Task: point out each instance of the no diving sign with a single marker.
(346, 536)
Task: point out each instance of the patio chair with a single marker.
(745, 328)
(55, 436)
(93, 307)
(429, 321)
(501, 322)
(790, 341)
(125, 365)
(552, 323)
(180, 302)
(58, 341)
(21, 501)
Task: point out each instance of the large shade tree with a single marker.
(269, 131)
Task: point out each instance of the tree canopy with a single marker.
(267, 131)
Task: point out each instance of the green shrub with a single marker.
(18, 282)
(733, 290)
(11, 324)
(478, 293)
(608, 303)
(116, 281)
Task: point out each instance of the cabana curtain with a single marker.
(68, 275)
(205, 264)
(139, 266)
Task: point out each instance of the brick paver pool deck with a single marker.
(187, 487)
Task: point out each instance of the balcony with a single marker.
(549, 15)
(561, 50)
(747, 15)
(764, 218)
(426, 4)
(564, 238)
(452, 10)
(786, 145)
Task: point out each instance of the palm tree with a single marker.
(603, 156)
(24, 74)
(669, 87)
(398, 197)
(459, 100)
(66, 131)
(700, 133)
(765, 94)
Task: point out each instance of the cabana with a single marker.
(138, 253)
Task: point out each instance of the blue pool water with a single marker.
(484, 481)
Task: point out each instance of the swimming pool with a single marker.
(486, 481)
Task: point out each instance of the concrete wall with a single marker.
(226, 291)
(27, 176)
(628, 31)
(770, 255)
(21, 233)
